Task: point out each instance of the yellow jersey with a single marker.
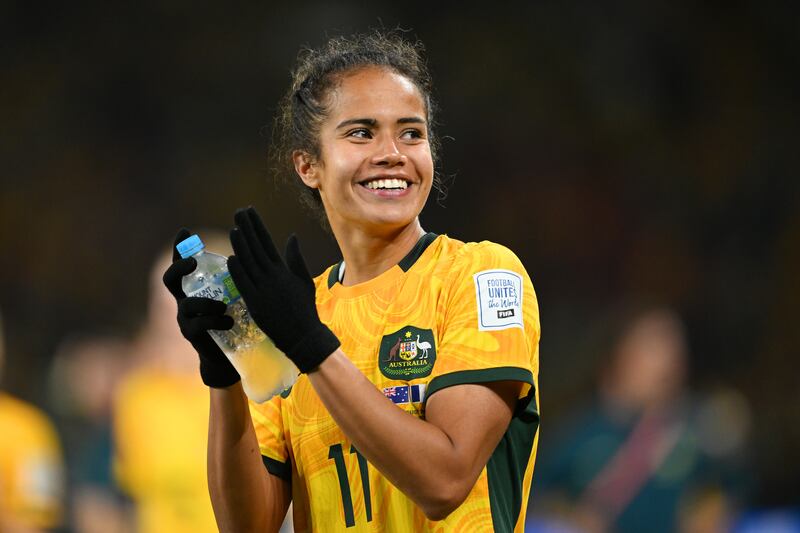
(160, 436)
(449, 313)
(31, 467)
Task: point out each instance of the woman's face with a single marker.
(375, 170)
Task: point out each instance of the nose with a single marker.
(388, 154)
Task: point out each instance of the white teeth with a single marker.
(387, 184)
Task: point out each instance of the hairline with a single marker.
(336, 79)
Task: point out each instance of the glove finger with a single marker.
(257, 235)
(241, 278)
(246, 236)
(181, 236)
(263, 236)
(244, 256)
(201, 324)
(174, 275)
(194, 306)
(296, 263)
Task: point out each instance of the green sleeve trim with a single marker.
(486, 375)
(277, 468)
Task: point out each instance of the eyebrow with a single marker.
(371, 122)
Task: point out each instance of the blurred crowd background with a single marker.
(640, 158)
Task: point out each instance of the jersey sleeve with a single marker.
(488, 326)
(269, 426)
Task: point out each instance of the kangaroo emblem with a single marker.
(392, 355)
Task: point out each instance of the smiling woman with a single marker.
(375, 168)
(307, 103)
(417, 407)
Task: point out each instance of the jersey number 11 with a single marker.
(337, 455)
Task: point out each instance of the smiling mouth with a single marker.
(388, 184)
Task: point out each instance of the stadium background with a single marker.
(625, 151)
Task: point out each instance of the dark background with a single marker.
(629, 150)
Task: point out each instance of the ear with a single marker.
(306, 168)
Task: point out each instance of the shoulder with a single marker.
(488, 280)
(470, 258)
(27, 422)
(18, 410)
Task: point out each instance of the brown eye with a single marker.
(360, 133)
(412, 134)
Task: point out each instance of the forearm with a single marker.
(240, 489)
(391, 439)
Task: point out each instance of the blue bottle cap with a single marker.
(190, 246)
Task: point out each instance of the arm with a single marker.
(463, 425)
(245, 497)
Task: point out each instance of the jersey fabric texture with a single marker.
(31, 467)
(156, 413)
(449, 313)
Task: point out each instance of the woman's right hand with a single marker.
(196, 316)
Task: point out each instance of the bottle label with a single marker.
(225, 291)
(231, 291)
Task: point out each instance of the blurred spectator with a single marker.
(84, 375)
(644, 456)
(161, 421)
(31, 467)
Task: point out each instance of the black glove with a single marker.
(280, 296)
(196, 316)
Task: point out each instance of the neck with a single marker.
(368, 255)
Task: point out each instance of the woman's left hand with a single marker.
(279, 295)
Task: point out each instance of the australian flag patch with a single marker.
(405, 393)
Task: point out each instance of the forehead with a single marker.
(373, 92)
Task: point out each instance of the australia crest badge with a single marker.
(407, 354)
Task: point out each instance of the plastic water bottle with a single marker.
(265, 371)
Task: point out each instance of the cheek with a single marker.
(339, 167)
(424, 164)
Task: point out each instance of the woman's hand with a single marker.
(198, 315)
(280, 296)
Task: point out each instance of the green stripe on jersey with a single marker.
(277, 468)
(506, 467)
(405, 263)
(412, 256)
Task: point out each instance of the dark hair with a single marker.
(317, 71)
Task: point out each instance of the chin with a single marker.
(391, 224)
(389, 220)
